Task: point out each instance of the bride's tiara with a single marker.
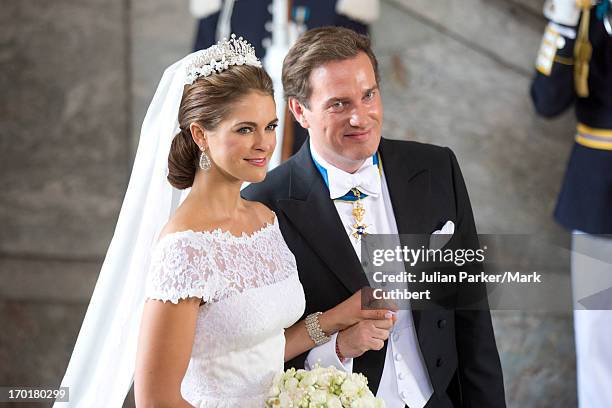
(217, 58)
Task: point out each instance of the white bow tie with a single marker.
(366, 179)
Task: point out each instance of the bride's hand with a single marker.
(351, 312)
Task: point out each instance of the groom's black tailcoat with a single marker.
(427, 189)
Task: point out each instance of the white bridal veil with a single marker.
(101, 368)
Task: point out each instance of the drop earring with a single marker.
(205, 163)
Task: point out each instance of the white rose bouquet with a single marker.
(321, 388)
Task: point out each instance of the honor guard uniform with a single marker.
(574, 66)
(252, 19)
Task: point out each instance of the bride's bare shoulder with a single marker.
(263, 213)
(181, 220)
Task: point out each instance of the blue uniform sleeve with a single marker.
(552, 88)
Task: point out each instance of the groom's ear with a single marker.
(298, 112)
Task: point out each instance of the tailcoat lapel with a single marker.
(409, 189)
(314, 215)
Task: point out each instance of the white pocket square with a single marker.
(440, 237)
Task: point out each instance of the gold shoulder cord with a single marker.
(583, 51)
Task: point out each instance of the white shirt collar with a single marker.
(366, 178)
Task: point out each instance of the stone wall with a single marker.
(64, 165)
(77, 78)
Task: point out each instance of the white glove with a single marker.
(204, 8)
(364, 11)
(564, 12)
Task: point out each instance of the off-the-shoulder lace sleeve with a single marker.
(181, 268)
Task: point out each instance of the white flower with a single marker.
(291, 384)
(324, 379)
(349, 388)
(334, 402)
(321, 388)
(318, 397)
(309, 378)
(359, 380)
(289, 374)
(274, 391)
(285, 400)
(367, 401)
(358, 403)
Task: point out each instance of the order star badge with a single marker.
(359, 230)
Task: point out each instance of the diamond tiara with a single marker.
(219, 57)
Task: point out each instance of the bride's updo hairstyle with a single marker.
(208, 101)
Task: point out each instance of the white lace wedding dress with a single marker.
(252, 292)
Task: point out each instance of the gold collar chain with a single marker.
(359, 227)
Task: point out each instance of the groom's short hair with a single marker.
(317, 47)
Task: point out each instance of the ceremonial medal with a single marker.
(359, 227)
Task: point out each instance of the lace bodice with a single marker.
(251, 292)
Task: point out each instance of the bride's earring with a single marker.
(205, 163)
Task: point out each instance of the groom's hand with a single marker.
(352, 311)
(363, 336)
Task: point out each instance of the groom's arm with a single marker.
(479, 368)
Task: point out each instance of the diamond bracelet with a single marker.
(314, 329)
